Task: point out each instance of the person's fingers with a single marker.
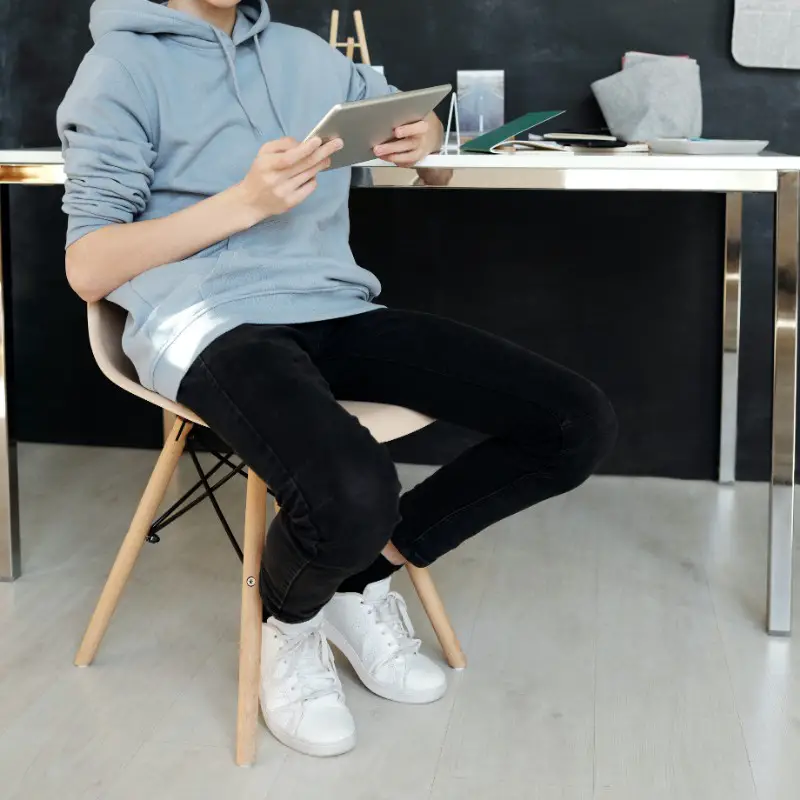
(405, 159)
(304, 192)
(293, 183)
(289, 158)
(396, 146)
(322, 154)
(331, 147)
(278, 146)
(414, 129)
(434, 176)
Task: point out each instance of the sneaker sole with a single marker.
(397, 695)
(325, 750)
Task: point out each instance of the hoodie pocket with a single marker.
(213, 250)
(155, 285)
(222, 264)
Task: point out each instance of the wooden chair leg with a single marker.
(132, 544)
(250, 637)
(434, 608)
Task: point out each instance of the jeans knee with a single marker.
(362, 510)
(589, 434)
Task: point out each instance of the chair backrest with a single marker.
(106, 324)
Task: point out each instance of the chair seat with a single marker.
(107, 323)
(387, 423)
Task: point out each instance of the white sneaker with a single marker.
(375, 634)
(301, 695)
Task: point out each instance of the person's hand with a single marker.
(411, 144)
(435, 176)
(284, 174)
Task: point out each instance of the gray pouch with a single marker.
(654, 97)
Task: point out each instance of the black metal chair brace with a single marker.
(188, 501)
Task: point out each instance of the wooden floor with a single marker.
(615, 643)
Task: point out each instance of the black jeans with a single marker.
(271, 392)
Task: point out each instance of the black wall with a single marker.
(626, 288)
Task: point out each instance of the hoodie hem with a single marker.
(174, 359)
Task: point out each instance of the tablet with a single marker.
(364, 124)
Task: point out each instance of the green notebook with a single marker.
(485, 142)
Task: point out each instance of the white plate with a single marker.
(708, 147)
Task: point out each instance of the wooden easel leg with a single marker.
(362, 37)
(350, 45)
(334, 40)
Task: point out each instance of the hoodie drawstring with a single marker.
(237, 90)
(272, 102)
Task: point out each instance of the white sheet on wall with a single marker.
(766, 33)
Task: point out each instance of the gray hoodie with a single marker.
(167, 110)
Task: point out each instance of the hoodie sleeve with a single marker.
(108, 152)
(366, 83)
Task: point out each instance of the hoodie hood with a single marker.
(153, 17)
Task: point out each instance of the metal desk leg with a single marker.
(9, 511)
(784, 415)
(731, 313)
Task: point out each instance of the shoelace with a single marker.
(392, 612)
(310, 660)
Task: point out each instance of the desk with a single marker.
(730, 175)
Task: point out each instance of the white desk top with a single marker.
(552, 170)
(607, 160)
(43, 155)
(522, 160)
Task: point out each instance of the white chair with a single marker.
(106, 323)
